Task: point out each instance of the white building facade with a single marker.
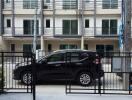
(61, 24)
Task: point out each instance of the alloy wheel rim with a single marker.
(85, 79)
(27, 78)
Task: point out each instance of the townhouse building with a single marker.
(60, 24)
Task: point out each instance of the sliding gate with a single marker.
(112, 82)
(8, 62)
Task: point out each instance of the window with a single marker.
(49, 47)
(103, 49)
(47, 1)
(86, 23)
(68, 46)
(30, 4)
(86, 46)
(69, 4)
(28, 48)
(110, 4)
(56, 58)
(8, 23)
(12, 47)
(109, 27)
(8, 1)
(28, 26)
(75, 56)
(47, 23)
(70, 27)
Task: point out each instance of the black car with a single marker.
(81, 66)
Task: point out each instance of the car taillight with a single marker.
(97, 60)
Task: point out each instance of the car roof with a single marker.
(72, 50)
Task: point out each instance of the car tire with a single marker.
(84, 79)
(26, 78)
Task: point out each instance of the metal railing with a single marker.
(63, 5)
(113, 80)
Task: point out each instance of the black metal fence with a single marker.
(8, 62)
(116, 79)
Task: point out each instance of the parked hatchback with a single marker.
(81, 66)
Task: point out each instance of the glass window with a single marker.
(47, 23)
(30, 4)
(113, 26)
(105, 26)
(8, 1)
(66, 27)
(68, 46)
(28, 26)
(55, 58)
(70, 27)
(74, 27)
(47, 1)
(109, 27)
(69, 4)
(74, 56)
(110, 4)
(8, 23)
(86, 23)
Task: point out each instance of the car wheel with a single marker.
(84, 79)
(26, 78)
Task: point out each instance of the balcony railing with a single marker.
(59, 31)
(59, 5)
(20, 31)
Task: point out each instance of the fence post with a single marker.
(99, 85)
(2, 72)
(34, 75)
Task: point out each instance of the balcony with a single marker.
(20, 31)
(60, 32)
(61, 7)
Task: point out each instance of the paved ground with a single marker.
(42, 96)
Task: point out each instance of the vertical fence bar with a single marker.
(2, 72)
(34, 76)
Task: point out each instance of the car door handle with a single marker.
(57, 65)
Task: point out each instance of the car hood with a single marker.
(23, 63)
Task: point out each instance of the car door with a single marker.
(73, 63)
(55, 67)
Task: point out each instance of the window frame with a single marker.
(62, 58)
(8, 23)
(109, 27)
(110, 4)
(71, 28)
(86, 24)
(48, 23)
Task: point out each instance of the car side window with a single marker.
(74, 56)
(84, 55)
(56, 58)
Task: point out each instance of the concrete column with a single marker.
(95, 18)
(54, 17)
(82, 42)
(42, 43)
(42, 26)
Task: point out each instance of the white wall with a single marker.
(58, 24)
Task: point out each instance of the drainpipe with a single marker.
(42, 26)
(1, 18)
(13, 18)
(82, 25)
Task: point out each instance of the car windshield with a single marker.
(43, 58)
